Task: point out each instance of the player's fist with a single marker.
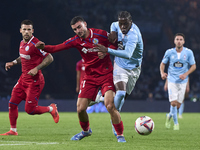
(112, 37)
(40, 45)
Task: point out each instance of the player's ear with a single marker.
(33, 31)
(85, 23)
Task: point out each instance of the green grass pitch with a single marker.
(39, 132)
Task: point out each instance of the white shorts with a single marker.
(176, 91)
(130, 77)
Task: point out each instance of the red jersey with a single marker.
(93, 65)
(30, 58)
(80, 67)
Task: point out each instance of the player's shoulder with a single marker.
(34, 40)
(187, 49)
(72, 39)
(134, 30)
(170, 50)
(99, 32)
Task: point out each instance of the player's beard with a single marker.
(26, 38)
(82, 34)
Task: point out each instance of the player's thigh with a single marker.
(17, 94)
(133, 76)
(88, 89)
(119, 74)
(33, 93)
(172, 91)
(107, 84)
(181, 92)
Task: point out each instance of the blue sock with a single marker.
(121, 104)
(120, 95)
(173, 112)
(180, 110)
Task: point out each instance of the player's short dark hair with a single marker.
(27, 22)
(179, 34)
(125, 14)
(76, 19)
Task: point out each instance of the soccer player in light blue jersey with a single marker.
(180, 59)
(128, 56)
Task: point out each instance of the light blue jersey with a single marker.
(178, 64)
(129, 56)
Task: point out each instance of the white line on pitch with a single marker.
(27, 143)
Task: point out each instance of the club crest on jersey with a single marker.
(95, 41)
(27, 48)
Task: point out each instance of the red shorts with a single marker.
(30, 92)
(90, 86)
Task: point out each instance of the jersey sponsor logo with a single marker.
(95, 41)
(84, 50)
(28, 57)
(178, 65)
(27, 48)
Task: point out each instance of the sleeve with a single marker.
(166, 57)
(129, 48)
(113, 27)
(37, 51)
(191, 59)
(60, 47)
(42, 53)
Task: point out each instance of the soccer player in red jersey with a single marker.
(98, 74)
(31, 81)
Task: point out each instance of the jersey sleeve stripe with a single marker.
(100, 35)
(71, 40)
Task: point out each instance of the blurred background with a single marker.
(158, 20)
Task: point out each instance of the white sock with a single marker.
(13, 129)
(50, 109)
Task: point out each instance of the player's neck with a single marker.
(179, 49)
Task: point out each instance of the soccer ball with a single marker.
(144, 125)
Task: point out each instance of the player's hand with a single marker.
(8, 65)
(164, 76)
(182, 76)
(101, 55)
(112, 37)
(100, 48)
(40, 45)
(33, 71)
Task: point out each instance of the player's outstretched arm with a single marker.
(8, 65)
(46, 61)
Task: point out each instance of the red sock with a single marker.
(119, 128)
(13, 115)
(41, 110)
(85, 125)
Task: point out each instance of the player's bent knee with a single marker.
(109, 107)
(12, 106)
(30, 110)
